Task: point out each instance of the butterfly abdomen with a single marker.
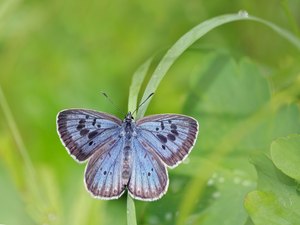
(126, 164)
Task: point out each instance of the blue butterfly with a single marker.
(126, 154)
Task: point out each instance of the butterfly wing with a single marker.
(149, 178)
(103, 173)
(170, 136)
(85, 131)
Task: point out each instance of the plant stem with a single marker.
(131, 217)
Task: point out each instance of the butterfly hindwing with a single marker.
(149, 178)
(84, 131)
(171, 136)
(103, 172)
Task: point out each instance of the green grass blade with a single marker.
(40, 196)
(136, 83)
(195, 34)
(282, 32)
(82, 209)
(178, 48)
(15, 133)
(131, 217)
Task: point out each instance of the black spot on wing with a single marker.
(84, 132)
(162, 125)
(171, 137)
(80, 126)
(162, 138)
(92, 134)
(173, 126)
(174, 132)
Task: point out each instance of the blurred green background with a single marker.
(240, 81)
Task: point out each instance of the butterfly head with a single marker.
(128, 118)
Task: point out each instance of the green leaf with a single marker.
(285, 153)
(265, 208)
(230, 188)
(238, 116)
(229, 91)
(276, 195)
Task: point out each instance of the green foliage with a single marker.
(286, 157)
(240, 81)
(276, 200)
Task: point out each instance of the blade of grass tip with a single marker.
(178, 48)
(131, 217)
(284, 33)
(136, 83)
(291, 19)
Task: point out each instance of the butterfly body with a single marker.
(126, 154)
(128, 131)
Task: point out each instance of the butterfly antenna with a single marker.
(108, 98)
(143, 102)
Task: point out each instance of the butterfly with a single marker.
(128, 154)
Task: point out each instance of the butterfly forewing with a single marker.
(149, 179)
(171, 136)
(85, 131)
